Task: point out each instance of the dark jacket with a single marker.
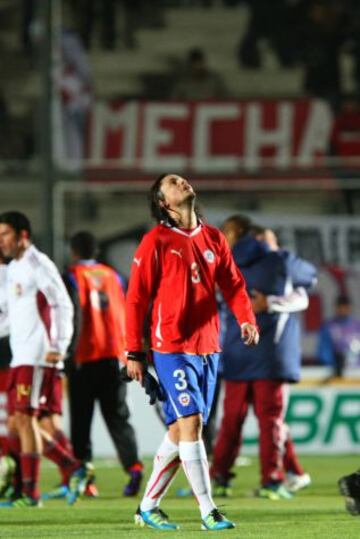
(278, 354)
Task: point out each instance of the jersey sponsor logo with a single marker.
(22, 390)
(137, 261)
(184, 399)
(209, 256)
(175, 252)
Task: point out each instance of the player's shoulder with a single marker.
(108, 270)
(213, 233)
(38, 260)
(211, 229)
(154, 235)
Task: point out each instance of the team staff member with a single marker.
(295, 302)
(259, 376)
(94, 369)
(36, 350)
(175, 270)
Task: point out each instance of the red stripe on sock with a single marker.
(171, 464)
(158, 494)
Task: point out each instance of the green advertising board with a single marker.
(322, 419)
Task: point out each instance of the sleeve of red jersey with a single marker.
(233, 286)
(140, 291)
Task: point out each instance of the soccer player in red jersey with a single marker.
(175, 271)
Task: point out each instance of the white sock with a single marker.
(166, 464)
(194, 460)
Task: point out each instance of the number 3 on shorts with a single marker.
(180, 375)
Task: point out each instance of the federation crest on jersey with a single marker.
(209, 256)
(184, 399)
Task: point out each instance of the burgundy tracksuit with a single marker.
(269, 399)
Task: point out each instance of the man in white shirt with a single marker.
(39, 338)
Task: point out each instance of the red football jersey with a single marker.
(102, 304)
(176, 271)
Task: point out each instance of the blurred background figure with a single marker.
(322, 36)
(75, 91)
(339, 339)
(198, 81)
(93, 367)
(260, 377)
(131, 14)
(271, 21)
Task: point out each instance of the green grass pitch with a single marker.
(317, 512)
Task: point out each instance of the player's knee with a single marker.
(190, 428)
(174, 432)
(23, 421)
(47, 425)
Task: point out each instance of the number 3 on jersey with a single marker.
(195, 273)
(181, 384)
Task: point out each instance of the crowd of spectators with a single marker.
(309, 33)
(312, 34)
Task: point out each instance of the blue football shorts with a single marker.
(189, 383)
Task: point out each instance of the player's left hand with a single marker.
(249, 334)
(54, 357)
(149, 383)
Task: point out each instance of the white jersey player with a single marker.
(40, 310)
(40, 321)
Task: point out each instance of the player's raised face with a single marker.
(176, 190)
(11, 242)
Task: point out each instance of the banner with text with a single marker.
(209, 137)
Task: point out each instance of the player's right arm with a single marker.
(143, 278)
(51, 285)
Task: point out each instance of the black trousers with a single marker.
(100, 381)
